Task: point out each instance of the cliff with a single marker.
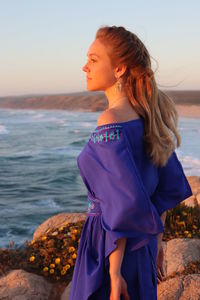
(84, 101)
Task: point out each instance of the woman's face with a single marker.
(99, 71)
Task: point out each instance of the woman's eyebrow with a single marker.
(92, 54)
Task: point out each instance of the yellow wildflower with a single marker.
(45, 269)
(74, 256)
(57, 260)
(194, 226)
(182, 223)
(73, 237)
(44, 238)
(51, 271)
(66, 267)
(186, 232)
(189, 235)
(71, 249)
(60, 228)
(32, 258)
(75, 231)
(70, 261)
(63, 272)
(52, 265)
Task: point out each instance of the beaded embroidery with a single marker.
(93, 206)
(106, 134)
(90, 206)
(107, 127)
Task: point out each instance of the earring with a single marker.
(118, 86)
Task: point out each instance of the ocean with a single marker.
(39, 176)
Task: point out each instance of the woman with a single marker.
(131, 172)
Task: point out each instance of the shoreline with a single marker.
(188, 111)
(187, 102)
(184, 110)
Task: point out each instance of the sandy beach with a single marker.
(188, 111)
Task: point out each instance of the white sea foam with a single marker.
(87, 124)
(3, 129)
(62, 122)
(191, 165)
(193, 160)
(38, 116)
(50, 203)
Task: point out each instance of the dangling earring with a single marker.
(118, 86)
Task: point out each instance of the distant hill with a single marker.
(83, 101)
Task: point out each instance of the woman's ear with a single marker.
(120, 70)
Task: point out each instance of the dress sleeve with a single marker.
(111, 173)
(173, 186)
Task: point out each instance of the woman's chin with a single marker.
(92, 88)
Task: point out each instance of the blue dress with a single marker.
(126, 196)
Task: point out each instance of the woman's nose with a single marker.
(84, 68)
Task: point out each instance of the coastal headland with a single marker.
(187, 102)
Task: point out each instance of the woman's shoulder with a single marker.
(115, 116)
(107, 117)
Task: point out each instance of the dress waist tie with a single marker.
(94, 208)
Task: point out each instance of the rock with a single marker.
(65, 295)
(194, 182)
(179, 252)
(191, 201)
(57, 221)
(180, 288)
(21, 285)
(198, 199)
(57, 291)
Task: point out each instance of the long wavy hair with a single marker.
(158, 111)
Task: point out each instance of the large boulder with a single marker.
(65, 294)
(179, 252)
(185, 287)
(194, 182)
(57, 221)
(21, 285)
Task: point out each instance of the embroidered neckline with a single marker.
(116, 124)
(106, 134)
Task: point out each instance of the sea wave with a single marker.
(3, 129)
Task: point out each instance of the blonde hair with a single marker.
(161, 135)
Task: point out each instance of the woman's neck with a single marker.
(116, 99)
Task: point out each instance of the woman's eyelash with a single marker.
(93, 60)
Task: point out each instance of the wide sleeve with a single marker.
(173, 186)
(111, 175)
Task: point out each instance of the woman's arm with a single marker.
(160, 253)
(116, 257)
(163, 217)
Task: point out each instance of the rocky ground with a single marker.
(43, 270)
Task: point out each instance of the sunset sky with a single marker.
(44, 42)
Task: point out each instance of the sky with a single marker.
(44, 43)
